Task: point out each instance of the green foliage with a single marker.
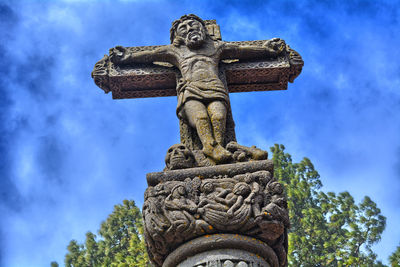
(120, 244)
(328, 229)
(394, 259)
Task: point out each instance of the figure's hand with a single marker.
(275, 45)
(118, 54)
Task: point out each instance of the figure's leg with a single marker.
(197, 116)
(217, 112)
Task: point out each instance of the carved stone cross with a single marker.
(216, 202)
(200, 69)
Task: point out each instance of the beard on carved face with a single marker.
(195, 39)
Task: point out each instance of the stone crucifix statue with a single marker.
(203, 99)
(217, 203)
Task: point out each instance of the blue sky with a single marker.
(69, 152)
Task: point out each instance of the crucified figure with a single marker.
(203, 100)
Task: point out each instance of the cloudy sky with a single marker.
(69, 152)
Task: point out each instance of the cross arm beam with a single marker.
(159, 79)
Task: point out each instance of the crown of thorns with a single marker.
(182, 19)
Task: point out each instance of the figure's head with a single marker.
(189, 30)
(242, 189)
(179, 157)
(207, 187)
(177, 191)
(248, 178)
(275, 188)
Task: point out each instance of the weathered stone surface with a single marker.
(179, 156)
(223, 250)
(201, 70)
(230, 170)
(241, 198)
(149, 80)
(156, 80)
(215, 198)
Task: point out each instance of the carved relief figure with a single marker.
(240, 191)
(255, 197)
(180, 210)
(155, 222)
(203, 100)
(225, 207)
(209, 198)
(277, 208)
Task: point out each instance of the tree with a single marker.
(327, 229)
(394, 259)
(120, 244)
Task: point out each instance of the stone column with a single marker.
(224, 215)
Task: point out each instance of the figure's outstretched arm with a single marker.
(271, 48)
(122, 56)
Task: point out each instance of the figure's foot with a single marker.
(221, 154)
(242, 153)
(208, 149)
(258, 154)
(217, 153)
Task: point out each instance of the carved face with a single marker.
(242, 189)
(178, 191)
(192, 32)
(275, 188)
(179, 157)
(207, 187)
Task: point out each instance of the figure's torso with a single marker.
(201, 64)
